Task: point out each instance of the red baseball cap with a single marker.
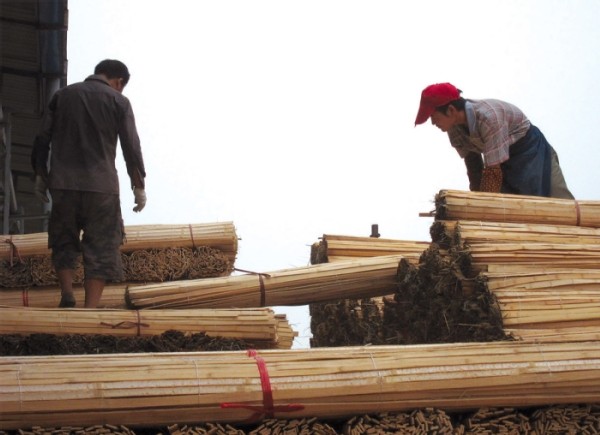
(434, 96)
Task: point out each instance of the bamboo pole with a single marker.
(360, 278)
(496, 207)
(220, 235)
(158, 389)
(250, 324)
(113, 296)
(460, 234)
(334, 248)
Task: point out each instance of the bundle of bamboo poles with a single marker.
(159, 389)
(250, 324)
(220, 235)
(113, 296)
(462, 233)
(537, 302)
(333, 248)
(478, 257)
(495, 207)
(359, 278)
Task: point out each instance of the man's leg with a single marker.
(93, 291)
(65, 280)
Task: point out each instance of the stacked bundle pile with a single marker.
(542, 274)
(233, 387)
(355, 321)
(255, 325)
(149, 253)
(364, 277)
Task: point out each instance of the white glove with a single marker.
(140, 199)
(40, 189)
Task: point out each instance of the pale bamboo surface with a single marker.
(496, 207)
(219, 235)
(479, 256)
(360, 278)
(250, 324)
(113, 296)
(465, 233)
(159, 389)
(550, 299)
(333, 248)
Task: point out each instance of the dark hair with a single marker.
(113, 69)
(459, 104)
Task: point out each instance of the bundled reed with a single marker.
(333, 248)
(251, 324)
(460, 234)
(478, 257)
(546, 299)
(159, 389)
(144, 265)
(220, 235)
(113, 296)
(359, 278)
(496, 207)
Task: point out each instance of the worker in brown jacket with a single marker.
(517, 158)
(78, 139)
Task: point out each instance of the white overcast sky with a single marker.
(295, 119)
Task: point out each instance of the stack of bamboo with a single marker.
(256, 325)
(219, 235)
(495, 207)
(543, 275)
(150, 253)
(334, 248)
(159, 389)
(365, 277)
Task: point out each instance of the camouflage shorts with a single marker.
(87, 224)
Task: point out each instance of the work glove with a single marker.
(474, 164)
(491, 180)
(41, 188)
(140, 199)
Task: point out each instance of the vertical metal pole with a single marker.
(7, 174)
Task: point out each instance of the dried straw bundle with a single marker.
(220, 235)
(145, 265)
(351, 279)
(333, 248)
(157, 389)
(251, 324)
(496, 207)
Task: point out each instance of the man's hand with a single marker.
(40, 189)
(140, 199)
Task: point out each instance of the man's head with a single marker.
(435, 97)
(115, 71)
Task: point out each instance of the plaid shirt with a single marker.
(494, 126)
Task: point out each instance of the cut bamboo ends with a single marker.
(158, 389)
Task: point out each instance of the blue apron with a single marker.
(528, 169)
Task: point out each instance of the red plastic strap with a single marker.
(268, 409)
(578, 211)
(25, 298)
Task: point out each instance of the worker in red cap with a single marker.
(517, 158)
